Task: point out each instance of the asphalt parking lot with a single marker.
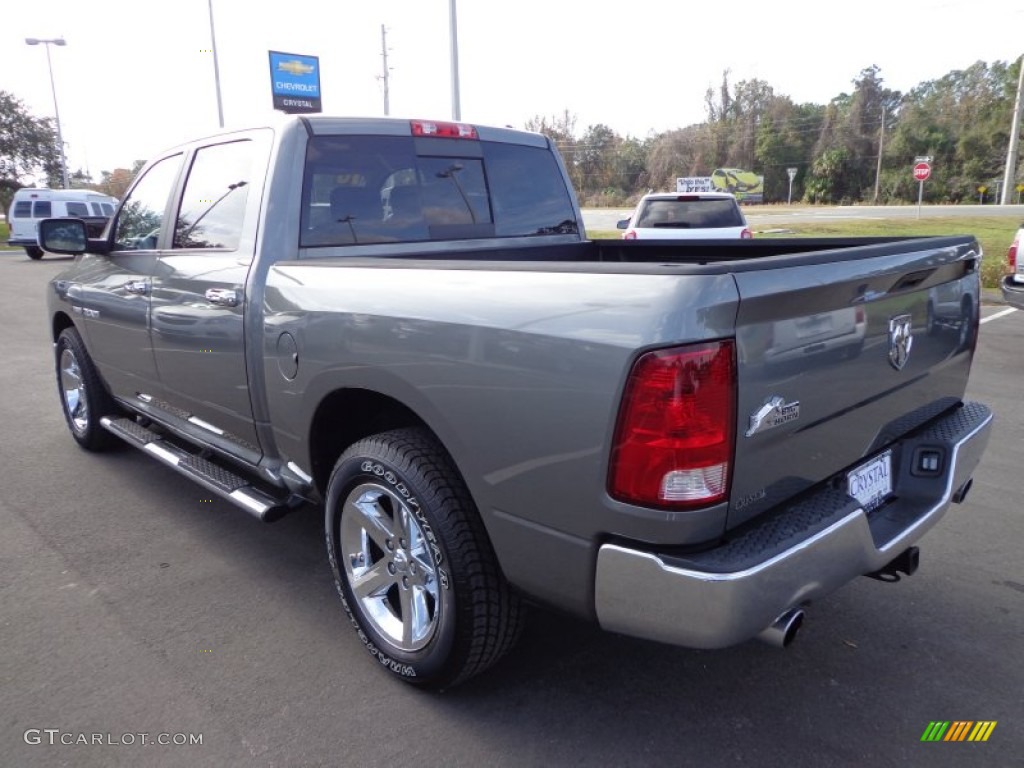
(132, 604)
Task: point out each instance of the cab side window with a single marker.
(213, 204)
(142, 215)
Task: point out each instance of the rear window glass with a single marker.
(528, 191)
(77, 209)
(379, 189)
(108, 209)
(694, 213)
(41, 209)
(22, 209)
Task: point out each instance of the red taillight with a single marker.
(443, 130)
(629, 234)
(858, 314)
(746, 234)
(674, 438)
(1011, 255)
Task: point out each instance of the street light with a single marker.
(454, 24)
(60, 138)
(216, 67)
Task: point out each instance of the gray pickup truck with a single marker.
(403, 323)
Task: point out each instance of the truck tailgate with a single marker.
(840, 359)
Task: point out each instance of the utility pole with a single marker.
(1011, 154)
(456, 108)
(385, 77)
(881, 145)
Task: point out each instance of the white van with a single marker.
(30, 205)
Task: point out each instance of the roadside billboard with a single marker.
(748, 187)
(690, 184)
(295, 82)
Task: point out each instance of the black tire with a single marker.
(410, 557)
(34, 252)
(83, 397)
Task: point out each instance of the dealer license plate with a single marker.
(871, 483)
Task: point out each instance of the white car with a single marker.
(674, 216)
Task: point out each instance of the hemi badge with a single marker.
(774, 413)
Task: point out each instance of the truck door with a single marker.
(112, 295)
(199, 294)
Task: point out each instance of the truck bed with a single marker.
(730, 255)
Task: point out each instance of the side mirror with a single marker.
(622, 224)
(63, 236)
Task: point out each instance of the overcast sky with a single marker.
(136, 76)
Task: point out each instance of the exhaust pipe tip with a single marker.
(906, 562)
(962, 491)
(784, 629)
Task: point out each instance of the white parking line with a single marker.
(997, 315)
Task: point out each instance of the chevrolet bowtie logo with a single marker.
(295, 67)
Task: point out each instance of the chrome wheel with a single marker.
(73, 388)
(389, 566)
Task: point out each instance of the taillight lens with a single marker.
(746, 234)
(629, 234)
(443, 129)
(675, 436)
(1011, 255)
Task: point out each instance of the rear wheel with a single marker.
(412, 562)
(83, 397)
(34, 252)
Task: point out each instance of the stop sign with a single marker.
(922, 171)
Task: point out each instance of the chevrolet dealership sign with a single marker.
(295, 82)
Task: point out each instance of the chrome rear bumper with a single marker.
(730, 594)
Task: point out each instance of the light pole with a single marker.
(216, 68)
(56, 112)
(1010, 174)
(454, 25)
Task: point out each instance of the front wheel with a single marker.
(83, 397)
(412, 562)
(34, 252)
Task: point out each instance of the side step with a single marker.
(212, 476)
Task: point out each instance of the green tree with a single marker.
(561, 129)
(828, 176)
(80, 180)
(596, 158)
(962, 120)
(28, 147)
(629, 166)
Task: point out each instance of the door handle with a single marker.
(137, 287)
(223, 297)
